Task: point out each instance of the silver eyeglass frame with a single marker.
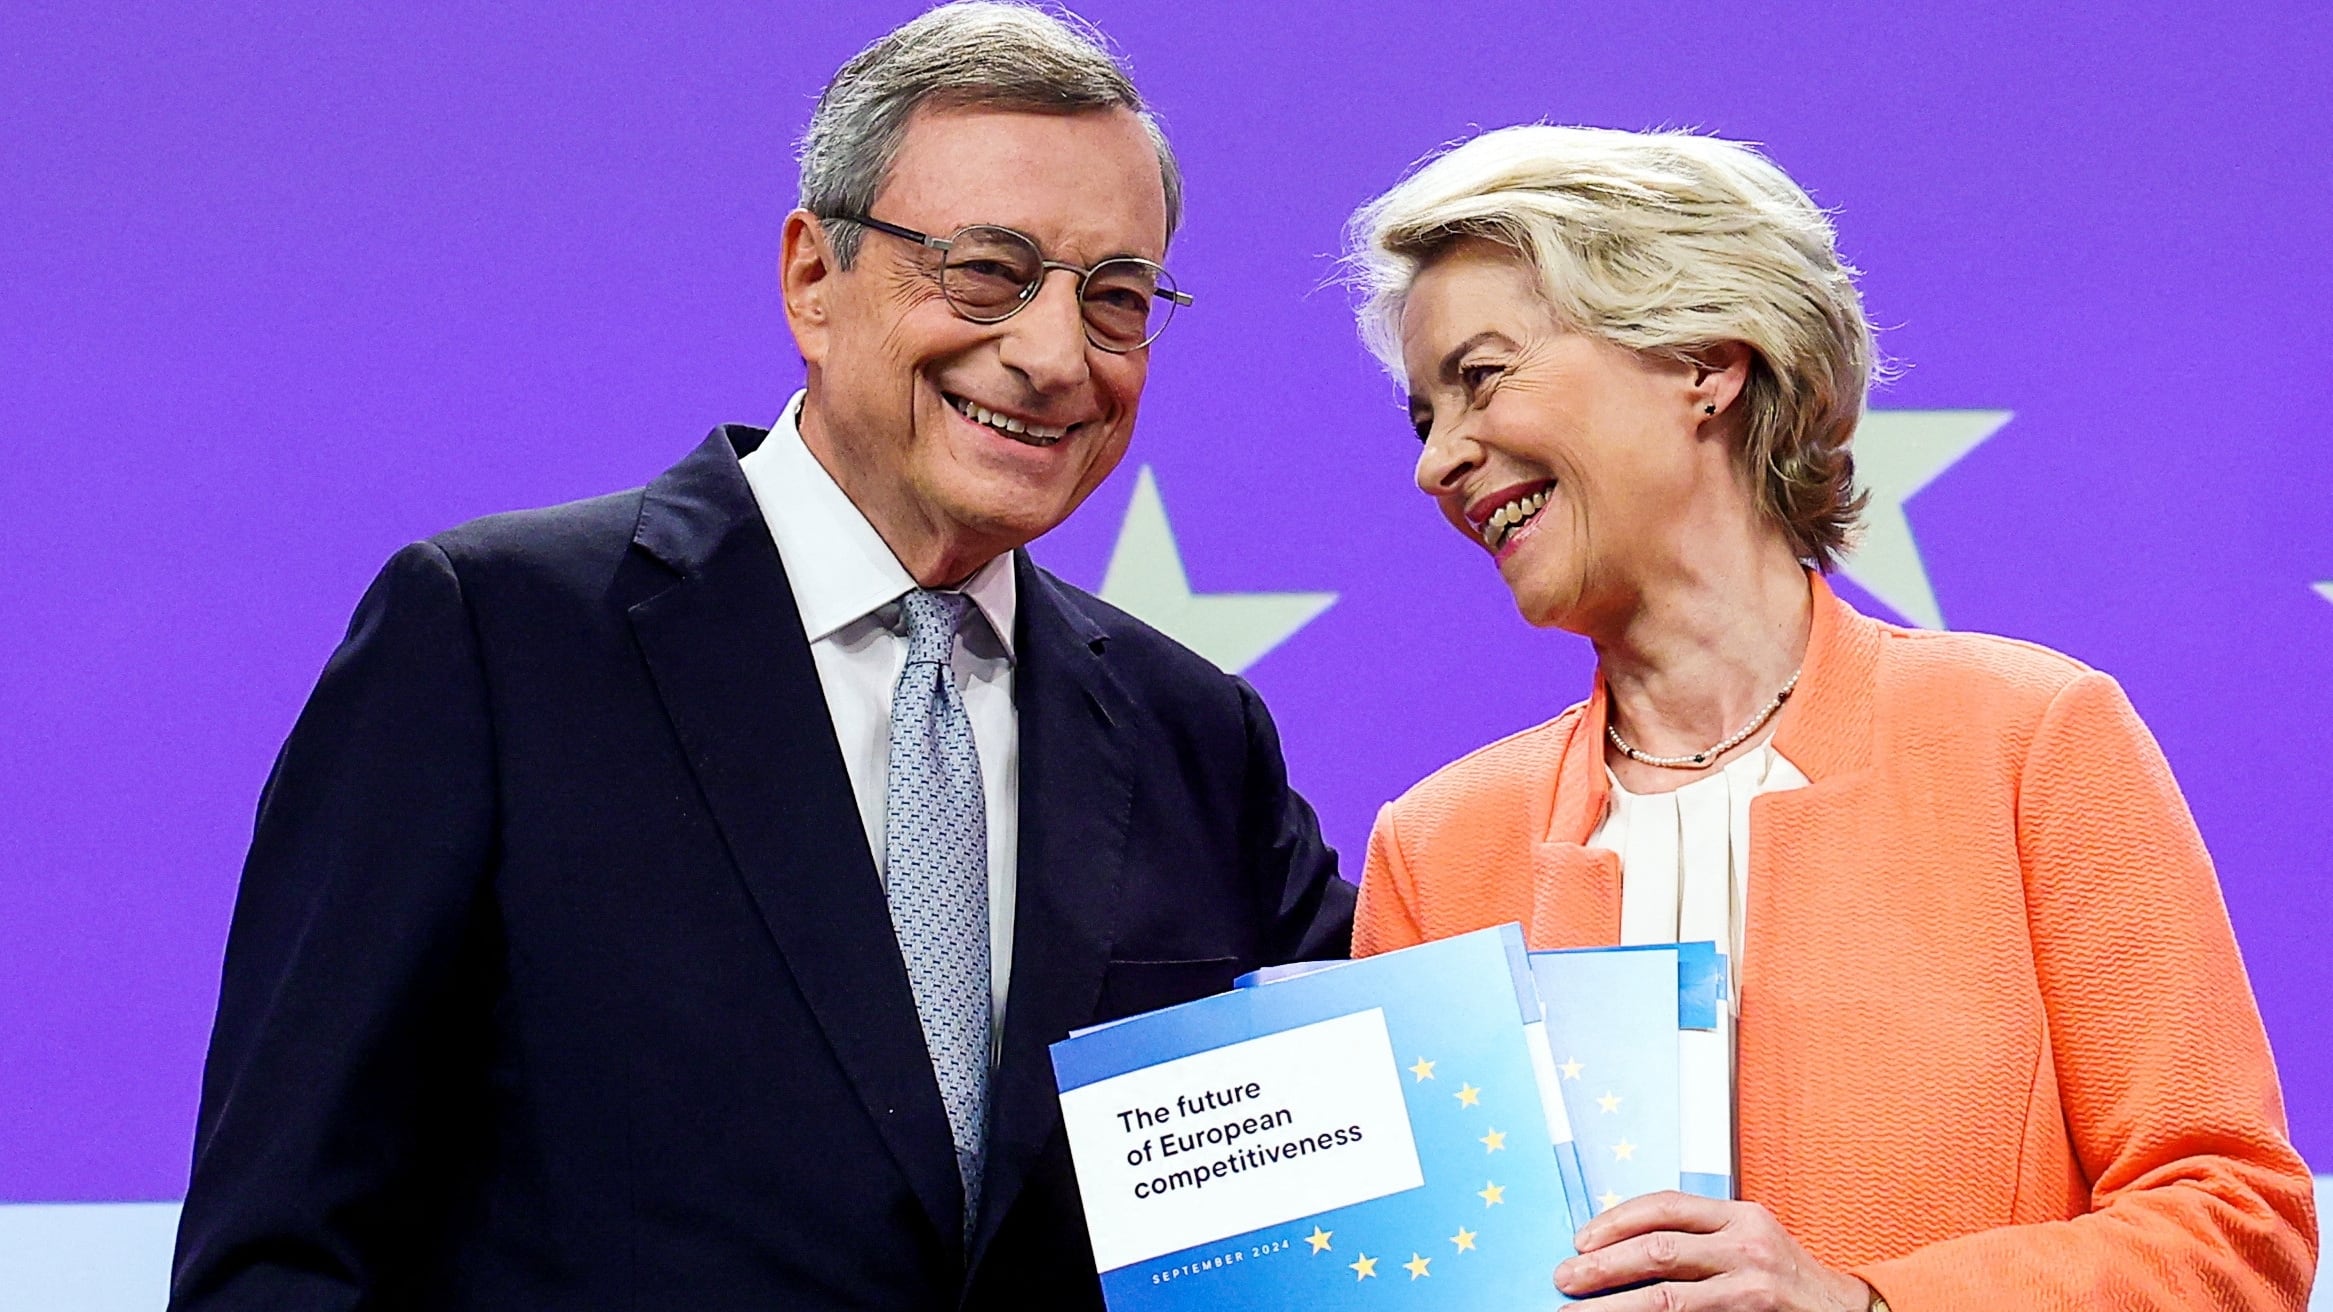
(1028, 292)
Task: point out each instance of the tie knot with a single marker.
(932, 621)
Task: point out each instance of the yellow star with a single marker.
(1493, 1142)
(1608, 1201)
(1464, 1239)
(1424, 1070)
(1319, 1239)
(1570, 1069)
(1491, 1194)
(1366, 1268)
(1468, 1095)
(1623, 1151)
(1610, 1102)
(1416, 1266)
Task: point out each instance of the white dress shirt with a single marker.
(847, 586)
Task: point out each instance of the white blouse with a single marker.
(1685, 855)
(1684, 877)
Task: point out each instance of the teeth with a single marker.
(981, 414)
(1511, 516)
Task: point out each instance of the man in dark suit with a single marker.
(667, 900)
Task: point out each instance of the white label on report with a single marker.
(1236, 1138)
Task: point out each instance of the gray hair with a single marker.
(1668, 243)
(974, 53)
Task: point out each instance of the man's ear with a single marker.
(806, 274)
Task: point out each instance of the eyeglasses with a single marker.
(988, 274)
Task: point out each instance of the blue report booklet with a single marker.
(1559, 1124)
(1312, 1140)
(1641, 1061)
(1559, 1130)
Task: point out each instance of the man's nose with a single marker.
(1046, 343)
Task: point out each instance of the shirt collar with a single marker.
(840, 568)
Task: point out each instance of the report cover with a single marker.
(1559, 1124)
(1643, 1065)
(1314, 1141)
(1559, 1130)
(1705, 1073)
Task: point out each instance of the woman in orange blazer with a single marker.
(1994, 1045)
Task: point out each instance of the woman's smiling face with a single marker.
(1566, 458)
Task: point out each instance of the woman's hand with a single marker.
(1707, 1255)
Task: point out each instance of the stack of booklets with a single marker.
(1643, 1069)
(1330, 1129)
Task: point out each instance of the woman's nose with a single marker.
(1447, 458)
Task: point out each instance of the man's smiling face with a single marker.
(897, 377)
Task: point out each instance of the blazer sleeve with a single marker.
(1310, 911)
(333, 1086)
(2172, 1106)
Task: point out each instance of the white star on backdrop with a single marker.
(1146, 580)
(1898, 452)
(2325, 590)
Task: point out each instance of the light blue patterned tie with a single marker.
(935, 848)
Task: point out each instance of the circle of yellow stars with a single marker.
(1364, 1267)
(1607, 1103)
(1492, 1194)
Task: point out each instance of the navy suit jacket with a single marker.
(560, 976)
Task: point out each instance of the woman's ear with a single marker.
(806, 273)
(1720, 372)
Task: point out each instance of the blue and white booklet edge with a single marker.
(1442, 1182)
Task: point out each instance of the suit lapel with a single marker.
(724, 644)
(1826, 730)
(1575, 888)
(1076, 808)
(1809, 849)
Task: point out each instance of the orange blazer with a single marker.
(1997, 1049)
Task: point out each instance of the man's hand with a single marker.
(1704, 1255)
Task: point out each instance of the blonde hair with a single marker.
(1668, 243)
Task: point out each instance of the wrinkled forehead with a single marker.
(1086, 185)
(1464, 291)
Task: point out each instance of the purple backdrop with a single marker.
(279, 293)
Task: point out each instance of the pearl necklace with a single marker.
(1700, 760)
